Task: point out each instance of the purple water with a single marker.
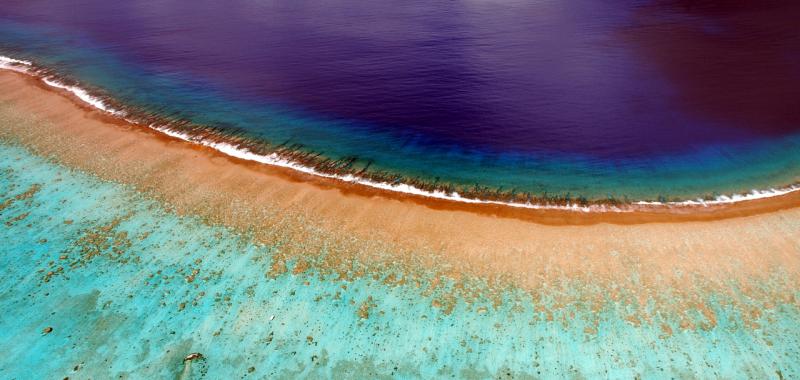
(604, 81)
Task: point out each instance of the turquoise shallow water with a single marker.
(129, 289)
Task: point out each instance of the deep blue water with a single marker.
(638, 99)
(625, 98)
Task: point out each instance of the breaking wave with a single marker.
(219, 143)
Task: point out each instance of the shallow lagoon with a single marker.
(130, 289)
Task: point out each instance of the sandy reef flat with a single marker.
(689, 275)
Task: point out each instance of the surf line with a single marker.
(275, 159)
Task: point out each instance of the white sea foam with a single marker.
(276, 160)
(9, 60)
(728, 199)
(14, 64)
(26, 66)
(85, 96)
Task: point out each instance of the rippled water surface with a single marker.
(659, 99)
(625, 98)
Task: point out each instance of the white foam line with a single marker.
(9, 60)
(25, 67)
(85, 96)
(727, 199)
(275, 160)
(14, 64)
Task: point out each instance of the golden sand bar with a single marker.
(742, 242)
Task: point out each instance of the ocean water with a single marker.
(130, 289)
(636, 100)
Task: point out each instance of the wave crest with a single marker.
(214, 141)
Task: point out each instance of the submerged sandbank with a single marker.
(101, 281)
(683, 275)
(741, 240)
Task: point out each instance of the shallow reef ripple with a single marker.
(100, 281)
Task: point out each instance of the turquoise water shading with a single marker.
(141, 288)
(698, 171)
